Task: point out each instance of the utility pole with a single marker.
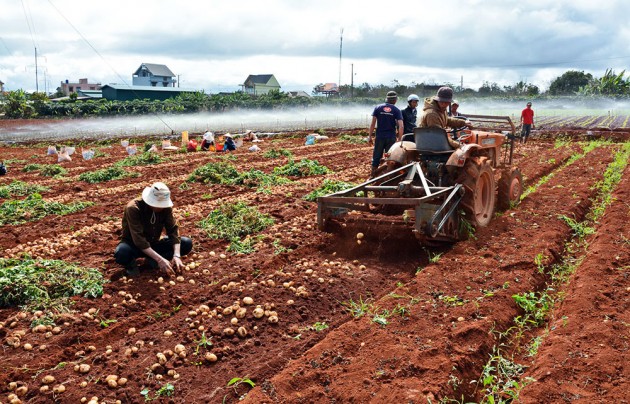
(178, 81)
(36, 79)
(352, 80)
(340, 48)
(461, 85)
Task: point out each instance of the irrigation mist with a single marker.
(273, 121)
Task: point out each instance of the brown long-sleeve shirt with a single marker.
(138, 229)
(433, 116)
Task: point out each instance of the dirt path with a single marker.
(441, 310)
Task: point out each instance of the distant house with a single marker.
(90, 94)
(257, 84)
(300, 93)
(123, 92)
(68, 88)
(153, 75)
(327, 89)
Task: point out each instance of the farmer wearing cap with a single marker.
(142, 224)
(434, 114)
(527, 122)
(388, 122)
(410, 114)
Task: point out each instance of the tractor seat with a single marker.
(408, 137)
(432, 141)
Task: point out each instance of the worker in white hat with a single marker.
(410, 114)
(143, 221)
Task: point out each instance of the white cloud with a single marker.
(214, 45)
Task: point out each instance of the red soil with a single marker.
(456, 307)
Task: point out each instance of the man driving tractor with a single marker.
(434, 114)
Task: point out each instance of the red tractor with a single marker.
(436, 187)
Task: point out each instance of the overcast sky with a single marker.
(214, 45)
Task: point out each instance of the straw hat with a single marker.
(157, 195)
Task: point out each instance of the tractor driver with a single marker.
(434, 114)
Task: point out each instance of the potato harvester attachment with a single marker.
(440, 192)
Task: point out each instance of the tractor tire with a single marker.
(479, 200)
(510, 188)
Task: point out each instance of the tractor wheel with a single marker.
(479, 199)
(510, 188)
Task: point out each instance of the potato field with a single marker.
(534, 308)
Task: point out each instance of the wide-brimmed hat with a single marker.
(157, 195)
(227, 135)
(444, 94)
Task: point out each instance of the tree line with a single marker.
(19, 104)
(572, 82)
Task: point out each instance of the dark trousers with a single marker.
(126, 253)
(525, 130)
(381, 145)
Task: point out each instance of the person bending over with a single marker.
(143, 221)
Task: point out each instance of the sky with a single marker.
(214, 45)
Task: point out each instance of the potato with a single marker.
(210, 357)
(48, 379)
(161, 358)
(248, 300)
(22, 390)
(228, 331)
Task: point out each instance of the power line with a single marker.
(101, 56)
(5, 45)
(29, 23)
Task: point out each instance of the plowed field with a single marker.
(534, 306)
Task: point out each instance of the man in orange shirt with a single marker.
(527, 122)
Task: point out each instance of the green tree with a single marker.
(570, 82)
(610, 84)
(17, 106)
(522, 88)
(488, 88)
